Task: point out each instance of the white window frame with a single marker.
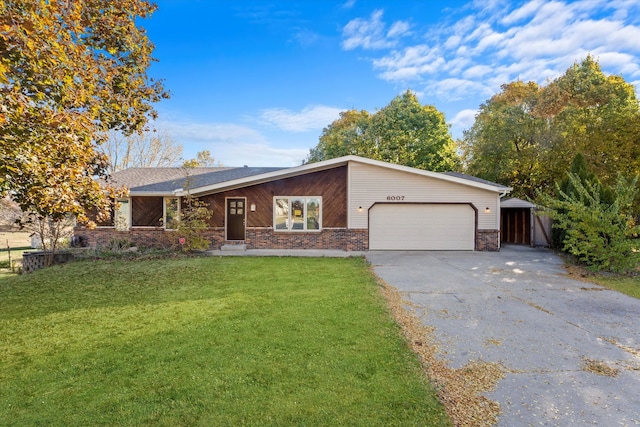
(122, 217)
(289, 222)
(165, 201)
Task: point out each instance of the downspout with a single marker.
(502, 194)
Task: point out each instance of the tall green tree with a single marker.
(526, 135)
(592, 114)
(404, 132)
(507, 140)
(345, 136)
(69, 72)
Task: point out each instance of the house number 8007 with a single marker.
(395, 197)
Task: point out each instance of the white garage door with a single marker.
(421, 227)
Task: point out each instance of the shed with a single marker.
(520, 225)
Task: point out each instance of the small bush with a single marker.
(191, 224)
(600, 232)
(119, 244)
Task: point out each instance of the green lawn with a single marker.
(16, 259)
(626, 284)
(206, 341)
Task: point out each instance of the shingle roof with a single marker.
(138, 177)
(167, 180)
(475, 179)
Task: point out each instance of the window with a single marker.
(171, 211)
(122, 218)
(313, 213)
(297, 213)
(281, 212)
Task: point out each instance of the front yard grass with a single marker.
(629, 285)
(207, 341)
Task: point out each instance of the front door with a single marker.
(236, 211)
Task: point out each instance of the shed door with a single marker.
(422, 227)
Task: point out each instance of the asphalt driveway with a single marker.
(517, 307)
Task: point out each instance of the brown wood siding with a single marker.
(146, 211)
(330, 184)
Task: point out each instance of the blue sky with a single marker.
(255, 82)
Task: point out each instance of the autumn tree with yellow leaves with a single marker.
(526, 135)
(69, 72)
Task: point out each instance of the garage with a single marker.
(408, 226)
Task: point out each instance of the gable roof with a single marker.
(167, 181)
(282, 173)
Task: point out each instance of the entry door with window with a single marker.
(236, 214)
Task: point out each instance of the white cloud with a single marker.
(477, 71)
(453, 42)
(490, 7)
(454, 89)
(625, 9)
(463, 26)
(370, 33)
(259, 155)
(488, 41)
(622, 62)
(210, 132)
(232, 144)
(414, 56)
(399, 28)
(410, 64)
(523, 12)
(491, 44)
(349, 4)
(310, 118)
(627, 37)
(464, 119)
(457, 65)
(481, 31)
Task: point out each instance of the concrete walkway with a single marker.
(320, 253)
(518, 308)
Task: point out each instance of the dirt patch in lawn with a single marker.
(459, 390)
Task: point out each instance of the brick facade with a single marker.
(155, 237)
(262, 238)
(329, 238)
(256, 238)
(488, 240)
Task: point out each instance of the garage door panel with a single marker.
(421, 227)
